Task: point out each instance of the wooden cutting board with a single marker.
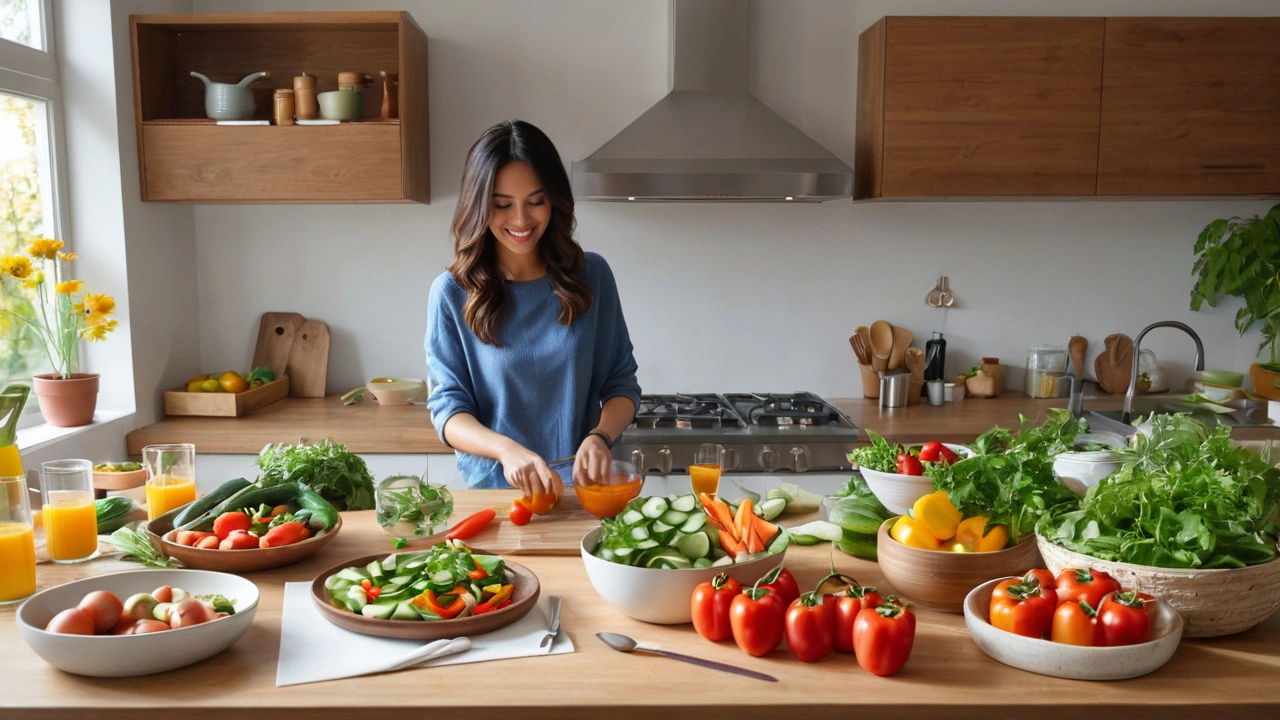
(276, 331)
(1115, 364)
(309, 360)
(556, 533)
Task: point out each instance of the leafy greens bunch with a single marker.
(881, 455)
(338, 475)
(1009, 480)
(1186, 497)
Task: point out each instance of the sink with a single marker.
(1244, 413)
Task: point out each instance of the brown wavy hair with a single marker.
(475, 257)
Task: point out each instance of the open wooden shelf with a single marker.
(351, 162)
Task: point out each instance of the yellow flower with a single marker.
(15, 265)
(69, 287)
(34, 281)
(67, 257)
(46, 248)
(96, 307)
(98, 331)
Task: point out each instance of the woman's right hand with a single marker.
(529, 473)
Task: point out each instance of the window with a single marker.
(30, 189)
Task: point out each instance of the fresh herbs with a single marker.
(337, 475)
(880, 455)
(138, 548)
(1186, 497)
(1010, 478)
(411, 507)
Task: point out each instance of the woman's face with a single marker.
(521, 210)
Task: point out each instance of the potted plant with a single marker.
(60, 313)
(1241, 258)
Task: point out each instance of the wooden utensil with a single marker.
(914, 359)
(1077, 347)
(309, 360)
(881, 344)
(862, 344)
(870, 382)
(857, 350)
(276, 331)
(901, 341)
(1114, 365)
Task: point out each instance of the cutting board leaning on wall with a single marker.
(292, 345)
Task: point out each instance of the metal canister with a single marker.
(304, 92)
(283, 107)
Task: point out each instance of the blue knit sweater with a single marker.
(544, 387)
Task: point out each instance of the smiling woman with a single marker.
(527, 349)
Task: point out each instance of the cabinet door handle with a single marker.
(1242, 168)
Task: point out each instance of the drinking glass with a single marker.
(17, 541)
(704, 473)
(70, 522)
(171, 481)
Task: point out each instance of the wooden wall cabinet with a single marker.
(1190, 106)
(978, 106)
(184, 157)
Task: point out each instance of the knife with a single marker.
(553, 628)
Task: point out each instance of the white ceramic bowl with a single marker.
(660, 596)
(899, 492)
(397, 391)
(1071, 661)
(129, 655)
(1080, 471)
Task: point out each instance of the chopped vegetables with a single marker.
(673, 533)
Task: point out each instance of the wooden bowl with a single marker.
(940, 580)
(1212, 602)
(111, 481)
(234, 561)
(523, 599)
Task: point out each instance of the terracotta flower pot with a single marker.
(67, 402)
(1265, 383)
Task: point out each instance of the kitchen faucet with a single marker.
(1137, 348)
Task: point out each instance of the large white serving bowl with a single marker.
(1071, 661)
(1080, 471)
(660, 596)
(129, 655)
(899, 492)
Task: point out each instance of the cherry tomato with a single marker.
(909, 465)
(519, 513)
(1045, 578)
(809, 626)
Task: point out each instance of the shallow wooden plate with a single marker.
(235, 561)
(523, 600)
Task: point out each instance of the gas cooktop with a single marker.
(761, 432)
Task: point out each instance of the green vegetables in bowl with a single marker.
(408, 507)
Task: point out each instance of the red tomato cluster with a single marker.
(1078, 607)
(932, 451)
(853, 619)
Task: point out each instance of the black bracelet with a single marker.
(607, 441)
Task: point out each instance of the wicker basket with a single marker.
(1212, 602)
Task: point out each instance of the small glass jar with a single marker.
(283, 107)
(1044, 366)
(409, 507)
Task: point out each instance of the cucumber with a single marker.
(375, 572)
(726, 559)
(323, 514)
(694, 546)
(646, 544)
(858, 545)
(405, 611)
(850, 514)
(639, 533)
(206, 503)
(661, 528)
(779, 543)
(667, 556)
(674, 518)
(702, 563)
(694, 523)
(355, 599)
(352, 575)
(684, 504)
(814, 532)
(770, 509)
(389, 564)
(251, 496)
(654, 508)
(381, 612)
(632, 517)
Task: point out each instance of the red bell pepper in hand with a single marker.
(809, 626)
(1075, 623)
(909, 465)
(783, 583)
(845, 606)
(471, 525)
(710, 606)
(1023, 609)
(757, 619)
(1123, 619)
(1076, 585)
(883, 637)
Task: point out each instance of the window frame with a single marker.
(31, 73)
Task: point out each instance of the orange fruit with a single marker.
(232, 382)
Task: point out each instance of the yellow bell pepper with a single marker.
(908, 532)
(935, 515)
(969, 534)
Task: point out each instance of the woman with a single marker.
(527, 349)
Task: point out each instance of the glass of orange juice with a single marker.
(17, 541)
(171, 481)
(70, 522)
(704, 473)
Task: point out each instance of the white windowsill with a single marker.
(38, 437)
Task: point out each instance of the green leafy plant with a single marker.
(330, 469)
(881, 455)
(1241, 258)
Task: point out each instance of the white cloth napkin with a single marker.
(313, 649)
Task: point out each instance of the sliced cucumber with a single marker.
(355, 598)
(724, 560)
(639, 533)
(694, 523)
(702, 563)
(654, 508)
(674, 517)
(375, 572)
(381, 612)
(812, 533)
(632, 517)
(694, 546)
(660, 527)
(646, 544)
(667, 556)
(405, 611)
(354, 575)
(684, 503)
(389, 565)
(770, 509)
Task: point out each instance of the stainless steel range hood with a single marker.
(709, 139)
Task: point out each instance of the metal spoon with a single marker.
(622, 643)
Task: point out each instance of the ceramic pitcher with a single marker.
(228, 101)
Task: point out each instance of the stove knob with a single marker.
(732, 459)
(799, 462)
(637, 459)
(768, 459)
(664, 460)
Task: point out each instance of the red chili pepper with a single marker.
(482, 609)
(471, 525)
(285, 534)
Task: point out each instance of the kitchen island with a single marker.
(947, 676)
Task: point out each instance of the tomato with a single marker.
(1022, 609)
(228, 522)
(931, 451)
(232, 382)
(845, 606)
(784, 584)
(809, 626)
(519, 514)
(882, 638)
(909, 465)
(1123, 619)
(1075, 585)
(757, 621)
(710, 606)
(241, 540)
(103, 608)
(72, 621)
(1045, 578)
(948, 456)
(471, 525)
(1075, 623)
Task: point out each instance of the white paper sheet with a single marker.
(313, 649)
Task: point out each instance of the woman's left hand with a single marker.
(592, 461)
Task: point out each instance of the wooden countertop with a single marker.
(368, 428)
(947, 675)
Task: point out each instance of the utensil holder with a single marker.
(894, 389)
(870, 382)
(914, 389)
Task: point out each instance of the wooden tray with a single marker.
(523, 600)
(219, 404)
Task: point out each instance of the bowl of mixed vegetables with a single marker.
(446, 591)
(896, 474)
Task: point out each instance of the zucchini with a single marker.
(111, 513)
(248, 497)
(203, 505)
(815, 532)
(852, 515)
(323, 514)
(858, 545)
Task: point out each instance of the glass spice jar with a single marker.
(283, 107)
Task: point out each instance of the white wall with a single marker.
(718, 297)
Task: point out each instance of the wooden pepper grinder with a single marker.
(304, 97)
(390, 93)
